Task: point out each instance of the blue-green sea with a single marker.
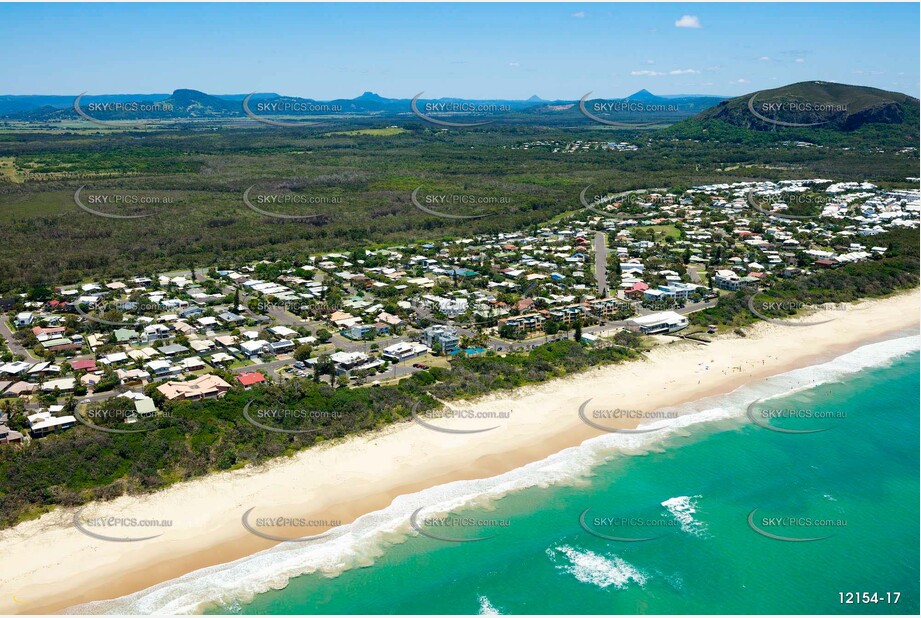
(691, 492)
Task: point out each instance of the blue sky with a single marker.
(485, 51)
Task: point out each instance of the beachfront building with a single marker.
(568, 314)
(444, 336)
(604, 307)
(659, 323)
(726, 279)
(9, 436)
(347, 362)
(678, 290)
(524, 323)
(205, 387)
(403, 350)
(43, 423)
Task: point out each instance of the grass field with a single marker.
(8, 171)
(661, 230)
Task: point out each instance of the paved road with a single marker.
(601, 262)
(268, 368)
(11, 341)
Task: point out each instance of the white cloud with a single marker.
(514, 64)
(650, 62)
(648, 73)
(741, 80)
(579, 14)
(688, 21)
(800, 60)
(764, 59)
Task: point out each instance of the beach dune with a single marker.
(50, 565)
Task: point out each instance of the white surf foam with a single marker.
(486, 608)
(601, 571)
(365, 539)
(683, 508)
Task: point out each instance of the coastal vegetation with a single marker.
(189, 439)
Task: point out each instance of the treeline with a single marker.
(190, 439)
(48, 239)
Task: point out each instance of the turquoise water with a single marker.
(692, 491)
(469, 351)
(864, 472)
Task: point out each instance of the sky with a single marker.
(480, 51)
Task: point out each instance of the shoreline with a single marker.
(327, 482)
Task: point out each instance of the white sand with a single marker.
(49, 565)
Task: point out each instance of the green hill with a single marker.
(821, 112)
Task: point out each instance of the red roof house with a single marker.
(81, 365)
(248, 379)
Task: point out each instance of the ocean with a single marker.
(718, 512)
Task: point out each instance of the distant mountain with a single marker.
(371, 96)
(806, 104)
(190, 103)
(641, 108)
(12, 103)
(643, 95)
(257, 96)
(186, 102)
(815, 104)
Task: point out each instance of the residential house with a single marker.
(204, 387)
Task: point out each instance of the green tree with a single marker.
(303, 352)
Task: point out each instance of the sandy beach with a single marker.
(50, 565)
